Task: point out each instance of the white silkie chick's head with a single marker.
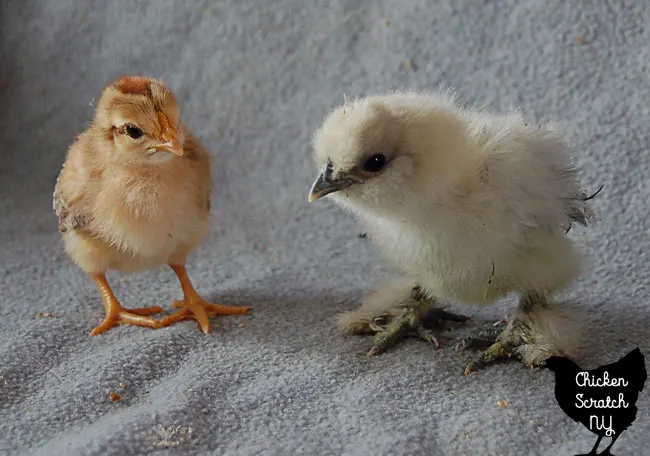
(383, 152)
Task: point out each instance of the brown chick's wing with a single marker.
(197, 152)
(65, 204)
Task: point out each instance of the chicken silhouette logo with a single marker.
(602, 399)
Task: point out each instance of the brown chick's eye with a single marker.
(133, 132)
(375, 163)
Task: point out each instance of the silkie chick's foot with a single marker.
(417, 318)
(483, 339)
(397, 309)
(522, 338)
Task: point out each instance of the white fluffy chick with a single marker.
(469, 205)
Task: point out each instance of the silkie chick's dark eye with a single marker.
(375, 163)
(133, 132)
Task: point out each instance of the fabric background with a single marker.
(254, 79)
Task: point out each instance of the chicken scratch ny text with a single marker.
(601, 403)
(595, 422)
(583, 379)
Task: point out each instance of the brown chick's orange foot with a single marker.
(200, 309)
(194, 306)
(118, 315)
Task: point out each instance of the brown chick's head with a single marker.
(377, 151)
(140, 116)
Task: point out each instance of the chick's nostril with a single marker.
(328, 171)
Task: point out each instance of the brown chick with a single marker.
(133, 194)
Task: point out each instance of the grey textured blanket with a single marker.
(254, 79)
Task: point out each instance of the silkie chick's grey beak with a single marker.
(326, 184)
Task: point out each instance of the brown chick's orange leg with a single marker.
(118, 315)
(194, 306)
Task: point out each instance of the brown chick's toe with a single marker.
(194, 306)
(122, 316)
(198, 308)
(118, 315)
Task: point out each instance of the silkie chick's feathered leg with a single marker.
(194, 306)
(530, 337)
(118, 315)
(484, 339)
(418, 316)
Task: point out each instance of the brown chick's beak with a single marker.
(324, 185)
(171, 144)
(169, 135)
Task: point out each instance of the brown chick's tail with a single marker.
(194, 306)
(118, 315)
